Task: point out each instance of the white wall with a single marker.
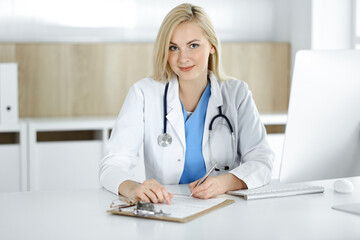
(126, 20)
(306, 24)
(300, 27)
(332, 24)
(139, 20)
(282, 18)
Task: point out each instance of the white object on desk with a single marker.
(184, 206)
(276, 189)
(350, 208)
(322, 132)
(343, 186)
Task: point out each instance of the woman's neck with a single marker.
(190, 93)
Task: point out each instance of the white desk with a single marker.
(82, 215)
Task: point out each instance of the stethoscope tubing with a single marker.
(165, 107)
(165, 139)
(223, 116)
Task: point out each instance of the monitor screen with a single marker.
(322, 136)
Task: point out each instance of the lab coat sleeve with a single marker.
(256, 155)
(122, 149)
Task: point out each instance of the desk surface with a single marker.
(82, 215)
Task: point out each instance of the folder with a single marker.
(182, 209)
(350, 208)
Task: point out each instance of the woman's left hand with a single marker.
(216, 185)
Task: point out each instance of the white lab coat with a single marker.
(141, 122)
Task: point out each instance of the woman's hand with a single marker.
(148, 191)
(214, 186)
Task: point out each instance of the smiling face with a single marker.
(189, 52)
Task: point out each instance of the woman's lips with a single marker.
(186, 69)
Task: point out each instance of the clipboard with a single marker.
(130, 212)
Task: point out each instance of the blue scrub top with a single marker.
(195, 168)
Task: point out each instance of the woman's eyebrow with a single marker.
(194, 40)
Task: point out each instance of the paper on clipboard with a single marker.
(182, 208)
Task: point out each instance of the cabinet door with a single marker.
(10, 168)
(66, 165)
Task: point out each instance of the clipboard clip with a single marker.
(122, 202)
(147, 209)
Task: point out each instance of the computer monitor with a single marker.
(322, 136)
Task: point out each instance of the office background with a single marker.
(79, 58)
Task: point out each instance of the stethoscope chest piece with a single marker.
(164, 139)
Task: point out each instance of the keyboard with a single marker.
(277, 189)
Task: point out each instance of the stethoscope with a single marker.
(165, 139)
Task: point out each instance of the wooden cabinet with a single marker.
(64, 153)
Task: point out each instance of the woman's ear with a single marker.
(212, 50)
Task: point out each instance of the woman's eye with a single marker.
(194, 45)
(172, 48)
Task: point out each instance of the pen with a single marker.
(205, 176)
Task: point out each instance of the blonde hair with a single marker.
(183, 13)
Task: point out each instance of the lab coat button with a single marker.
(179, 160)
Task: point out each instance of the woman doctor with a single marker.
(171, 115)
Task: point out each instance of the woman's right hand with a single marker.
(148, 191)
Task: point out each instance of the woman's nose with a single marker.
(184, 56)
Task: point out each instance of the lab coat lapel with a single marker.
(215, 101)
(174, 112)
